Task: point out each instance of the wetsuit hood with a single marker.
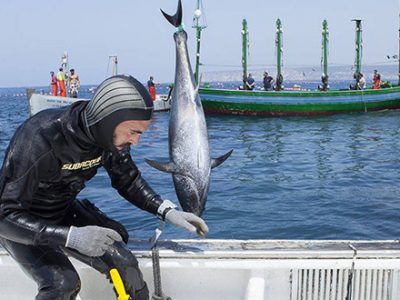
(117, 99)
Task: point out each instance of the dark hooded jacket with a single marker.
(47, 164)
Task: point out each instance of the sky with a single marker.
(35, 34)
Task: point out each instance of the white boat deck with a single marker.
(39, 102)
(247, 269)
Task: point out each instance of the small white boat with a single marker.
(38, 102)
(246, 269)
(162, 103)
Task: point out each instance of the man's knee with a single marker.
(59, 284)
(142, 294)
(70, 283)
(128, 267)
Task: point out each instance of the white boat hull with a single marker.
(250, 270)
(39, 102)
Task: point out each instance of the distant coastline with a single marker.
(299, 73)
(305, 73)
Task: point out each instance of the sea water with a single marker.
(330, 177)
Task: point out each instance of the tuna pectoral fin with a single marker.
(215, 162)
(168, 167)
(176, 19)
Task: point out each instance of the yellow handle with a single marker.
(119, 285)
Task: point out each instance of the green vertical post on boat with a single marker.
(325, 35)
(357, 64)
(324, 57)
(198, 37)
(245, 43)
(399, 55)
(199, 26)
(279, 77)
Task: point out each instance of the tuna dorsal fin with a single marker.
(164, 167)
(175, 20)
(215, 162)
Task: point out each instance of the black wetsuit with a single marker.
(47, 163)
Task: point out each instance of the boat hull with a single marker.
(246, 270)
(297, 103)
(38, 102)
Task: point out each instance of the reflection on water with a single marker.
(326, 177)
(330, 177)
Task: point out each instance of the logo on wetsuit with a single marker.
(82, 165)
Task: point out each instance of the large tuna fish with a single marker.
(190, 162)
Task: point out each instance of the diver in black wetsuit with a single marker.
(46, 165)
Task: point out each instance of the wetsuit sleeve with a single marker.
(22, 170)
(127, 179)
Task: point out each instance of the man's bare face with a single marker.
(128, 133)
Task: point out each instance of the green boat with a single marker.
(280, 102)
(297, 103)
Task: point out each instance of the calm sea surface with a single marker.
(333, 177)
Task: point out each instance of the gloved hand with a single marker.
(91, 240)
(188, 221)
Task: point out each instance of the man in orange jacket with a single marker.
(54, 87)
(61, 82)
(152, 88)
(377, 80)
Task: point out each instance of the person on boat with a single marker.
(279, 83)
(152, 88)
(361, 84)
(268, 82)
(354, 86)
(61, 82)
(250, 83)
(324, 80)
(170, 89)
(377, 80)
(54, 86)
(74, 83)
(50, 158)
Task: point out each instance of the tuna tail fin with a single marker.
(175, 20)
(215, 162)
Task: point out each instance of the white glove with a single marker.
(92, 240)
(188, 221)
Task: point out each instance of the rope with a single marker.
(349, 295)
(155, 257)
(365, 103)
